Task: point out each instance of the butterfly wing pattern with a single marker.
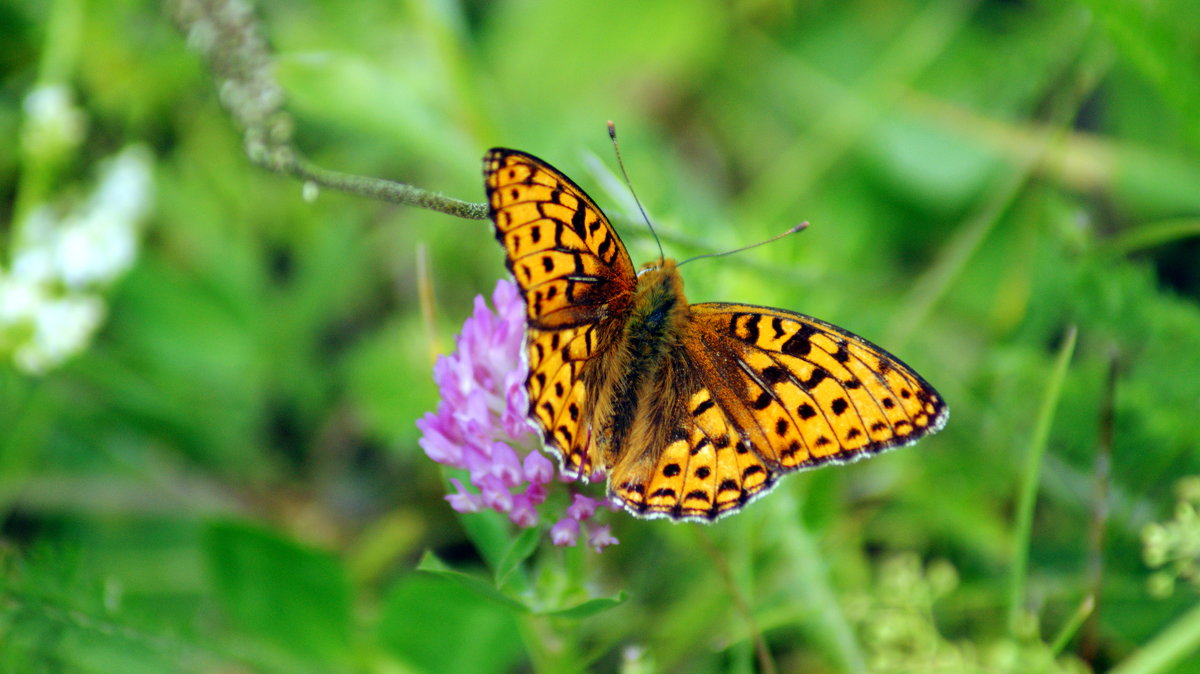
(692, 410)
(577, 280)
(778, 392)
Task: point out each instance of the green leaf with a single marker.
(438, 625)
(276, 588)
(430, 563)
(590, 607)
(518, 551)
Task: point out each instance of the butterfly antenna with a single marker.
(612, 133)
(797, 228)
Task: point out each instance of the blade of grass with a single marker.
(427, 300)
(797, 168)
(1028, 487)
(765, 661)
(1167, 649)
(1072, 625)
(813, 586)
(935, 283)
(1151, 235)
(1150, 40)
(58, 59)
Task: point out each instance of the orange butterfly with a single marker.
(693, 410)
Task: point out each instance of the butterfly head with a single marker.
(665, 265)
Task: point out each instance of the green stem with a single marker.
(1027, 497)
(935, 282)
(377, 188)
(550, 650)
(532, 628)
(61, 51)
(56, 65)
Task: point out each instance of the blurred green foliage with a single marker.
(228, 478)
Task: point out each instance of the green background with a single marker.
(228, 478)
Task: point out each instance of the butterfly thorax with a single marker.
(658, 313)
(650, 346)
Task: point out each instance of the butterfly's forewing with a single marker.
(777, 392)
(577, 281)
(566, 257)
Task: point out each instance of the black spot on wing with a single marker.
(578, 223)
(773, 374)
(818, 375)
(763, 401)
(799, 344)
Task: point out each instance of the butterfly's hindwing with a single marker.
(713, 464)
(777, 392)
(557, 396)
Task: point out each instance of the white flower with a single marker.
(97, 244)
(51, 301)
(61, 327)
(125, 185)
(53, 125)
(18, 299)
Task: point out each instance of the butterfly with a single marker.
(692, 410)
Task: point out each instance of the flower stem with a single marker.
(56, 65)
